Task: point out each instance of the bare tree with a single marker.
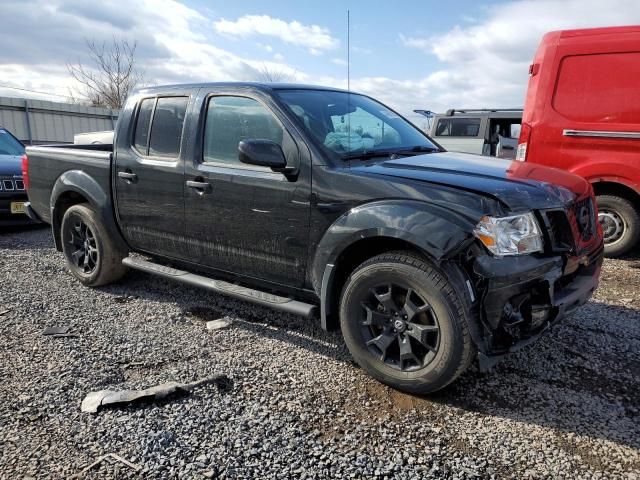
(111, 75)
(272, 74)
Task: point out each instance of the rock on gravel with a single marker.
(566, 407)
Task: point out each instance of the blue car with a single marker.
(12, 192)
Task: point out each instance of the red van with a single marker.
(582, 114)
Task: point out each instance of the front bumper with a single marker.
(524, 296)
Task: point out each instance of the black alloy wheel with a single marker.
(405, 324)
(93, 255)
(399, 327)
(84, 252)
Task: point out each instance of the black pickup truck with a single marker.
(299, 197)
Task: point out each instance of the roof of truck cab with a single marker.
(265, 86)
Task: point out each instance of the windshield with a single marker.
(9, 145)
(349, 124)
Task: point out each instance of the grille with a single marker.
(582, 216)
(568, 228)
(10, 184)
(560, 230)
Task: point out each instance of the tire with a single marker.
(438, 335)
(91, 255)
(620, 222)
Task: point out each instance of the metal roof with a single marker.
(41, 121)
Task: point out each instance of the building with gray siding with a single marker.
(37, 122)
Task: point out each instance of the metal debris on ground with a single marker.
(219, 324)
(58, 332)
(94, 400)
(116, 457)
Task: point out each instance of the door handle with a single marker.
(128, 177)
(200, 187)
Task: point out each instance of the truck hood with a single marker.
(10, 165)
(519, 186)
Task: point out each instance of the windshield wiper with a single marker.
(417, 150)
(366, 154)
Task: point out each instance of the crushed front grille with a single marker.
(568, 228)
(583, 215)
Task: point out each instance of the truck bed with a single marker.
(51, 164)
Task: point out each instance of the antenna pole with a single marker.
(349, 79)
(348, 53)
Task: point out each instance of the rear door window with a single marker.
(166, 127)
(602, 88)
(458, 127)
(141, 138)
(166, 116)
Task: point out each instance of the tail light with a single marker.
(25, 171)
(523, 141)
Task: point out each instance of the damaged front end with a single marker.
(521, 296)
(524, 296)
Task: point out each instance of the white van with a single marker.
(491, 132)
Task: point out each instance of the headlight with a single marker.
(515, 235)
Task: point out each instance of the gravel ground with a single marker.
(566, 407)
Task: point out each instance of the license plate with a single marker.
(18, 207)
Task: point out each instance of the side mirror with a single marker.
(262, 152)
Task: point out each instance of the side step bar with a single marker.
(243, 293)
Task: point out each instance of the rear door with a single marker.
(247, 219)
(149, 175)
(461, 134)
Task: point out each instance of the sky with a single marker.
(409, 54)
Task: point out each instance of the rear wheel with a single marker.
(620, 222)
(90, 254)
(404, 323)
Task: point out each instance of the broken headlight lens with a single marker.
(514, 235)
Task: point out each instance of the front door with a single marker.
(149, 177)
(241, 218)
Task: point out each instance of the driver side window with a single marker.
(231, 119)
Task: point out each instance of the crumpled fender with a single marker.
(83, 184)
(434, 229)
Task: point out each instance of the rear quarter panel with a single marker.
(55, 170)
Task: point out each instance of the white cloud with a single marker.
(266, 47)
(487, 62)
(172, 46)
(339, 61)
(483, 64)
(315, 38)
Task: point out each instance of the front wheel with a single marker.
(620, 221)
(405, 324)
(91, 255)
